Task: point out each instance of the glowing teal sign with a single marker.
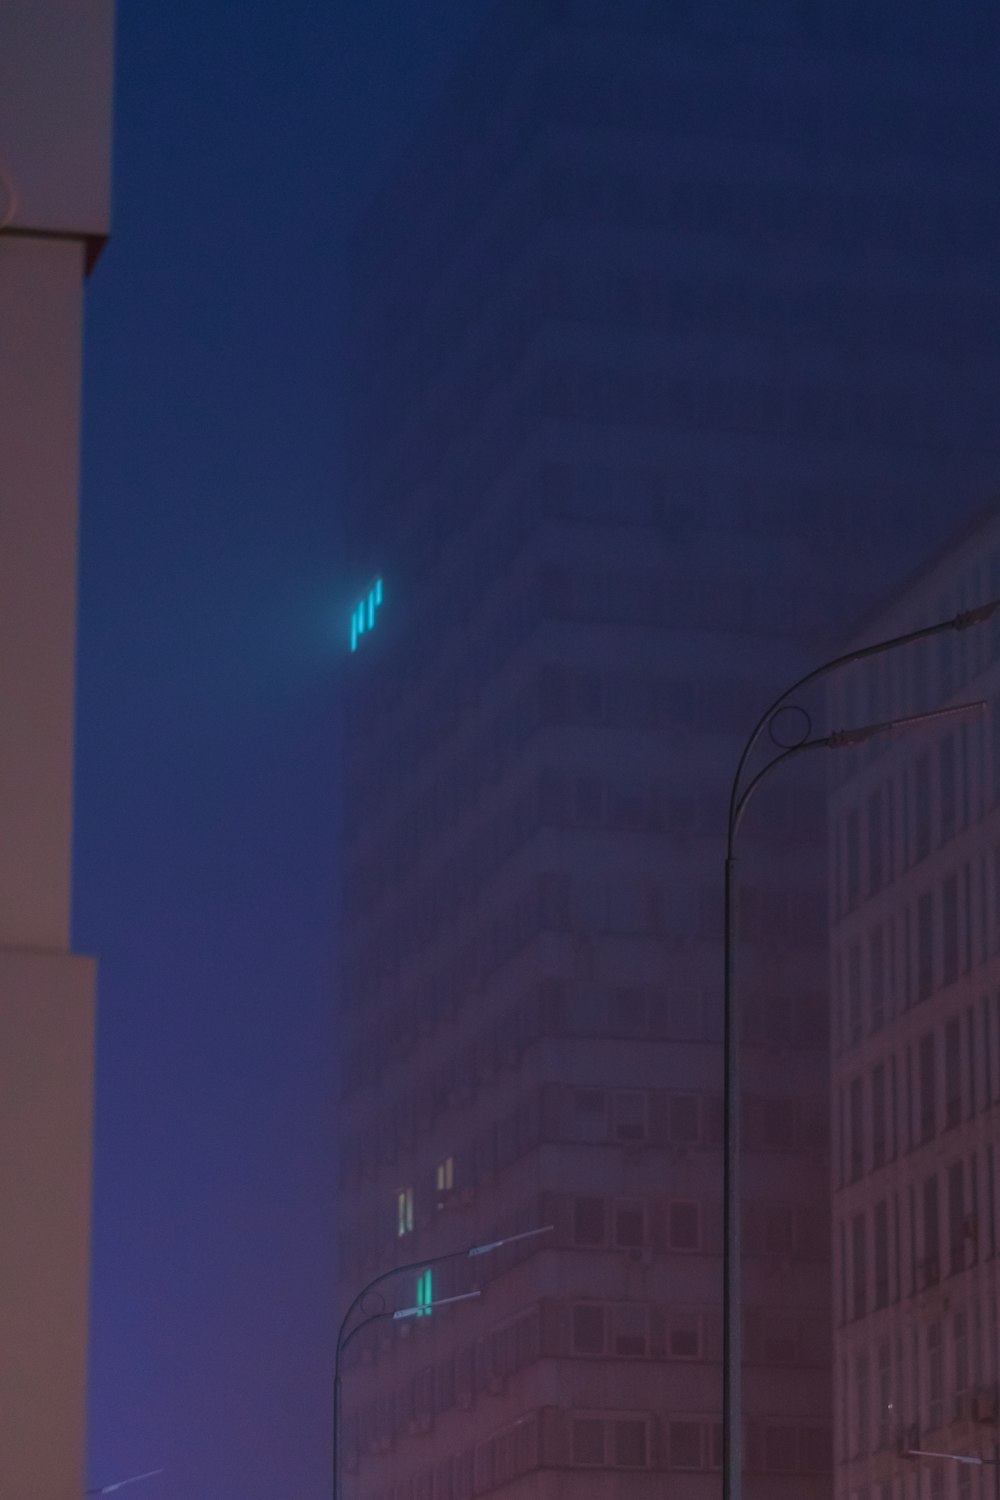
(425, 1293)
(363, 614)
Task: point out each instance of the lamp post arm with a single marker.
(740, 807)
(961, 621)
(343, 1337)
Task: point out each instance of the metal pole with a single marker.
(732, 1259)
(336, 1430)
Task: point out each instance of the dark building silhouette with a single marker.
(674, 337)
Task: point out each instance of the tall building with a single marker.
(915, 890)
(670, 332)
(55, 62)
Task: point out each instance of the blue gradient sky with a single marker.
(212, 622)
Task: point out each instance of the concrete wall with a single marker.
(55, 115)
(55, 94)
(46, 1084)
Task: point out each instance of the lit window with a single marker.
(425, 1293)
(404, 1211)
(446, 1175)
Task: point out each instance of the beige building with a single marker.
(55, 89)
(915, 889)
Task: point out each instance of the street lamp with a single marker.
(423, 1305)
(964, 1458)
(109, 1489)
(743, 787)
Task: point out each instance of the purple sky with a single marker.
(212, 623)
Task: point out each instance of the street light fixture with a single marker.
(964, 1458)
(345, 1333)
(109, 1489)
(743, 787)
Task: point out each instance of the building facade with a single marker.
(648, 331)
(915, 834)
(55, 90)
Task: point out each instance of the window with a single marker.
(932, 1234)
(875, 866)
(928, 1087)
(630, 1224)
(856, 1139)
(684, 1441)
(859, 1280)
(630, 1115)
(862, 1390)
(957, 1218)
(684, 1226)
(684, 1334)
(952, 1073)
(588, 1328)
(925, 946)
(878, 1115)
(883, 1396)
(880, 1234)
(935, 1376)
(590, 1114)
(445, 1176)
(922, 807)
(588, 1442)
(629, 1331)
(588, 1221)
(855, 1014)
(684, 1118)
(949, 930)
(630, 1442)
(876, 974)
(946, 767)
(404, 1212)
(852, 860)
(960, 1359)
(611, 1442)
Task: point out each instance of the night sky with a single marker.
(212, 625)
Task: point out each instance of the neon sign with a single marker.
(363, 614)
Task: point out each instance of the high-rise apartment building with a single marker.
(670, 333)
(55, 98)
(915, 837)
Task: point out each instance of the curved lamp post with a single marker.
(363, 1303)
(743, 787)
